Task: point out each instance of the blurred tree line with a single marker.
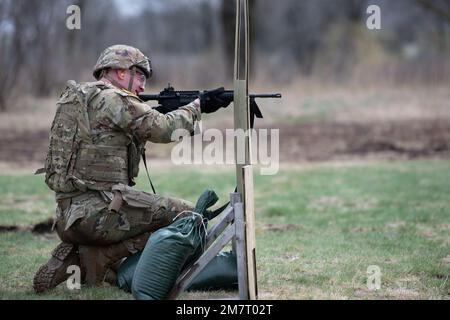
(191, 43)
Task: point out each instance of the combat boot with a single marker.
(95, 261)
(111, 277)
(55, 270)
(111, 273)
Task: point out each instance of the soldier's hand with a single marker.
(210, 100)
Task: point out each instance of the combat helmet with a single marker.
(122, 57)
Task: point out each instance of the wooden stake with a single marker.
(250, 239)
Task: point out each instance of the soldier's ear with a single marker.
(121, 73)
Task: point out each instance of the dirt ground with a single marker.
(318, 141)
(337, 141)
(321, 124)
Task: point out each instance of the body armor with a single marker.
(77, 159)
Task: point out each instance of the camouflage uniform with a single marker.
(120, 124)
(98, 134)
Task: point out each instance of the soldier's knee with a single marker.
(65, 235)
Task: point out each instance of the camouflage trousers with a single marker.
(87, 220)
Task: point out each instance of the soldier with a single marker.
(97, 137)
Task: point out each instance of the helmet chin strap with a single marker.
(132, 74)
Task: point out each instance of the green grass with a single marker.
(332, 223)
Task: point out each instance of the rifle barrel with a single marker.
(147, 97)
(266, 95)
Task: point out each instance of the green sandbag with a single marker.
(219, 274)
(126, 271)
(170, 249)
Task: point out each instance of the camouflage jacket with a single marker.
(99, 133)
(119, 111)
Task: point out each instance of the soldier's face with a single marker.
(138, 83)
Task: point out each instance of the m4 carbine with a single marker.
(169, 99)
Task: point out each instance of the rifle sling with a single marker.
(146, 170)
(254, 112)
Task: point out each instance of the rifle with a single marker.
(170, 99)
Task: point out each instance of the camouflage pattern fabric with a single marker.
(115, 110)
(88, 221)
(119, 124)
(99, 133)
(122, 57)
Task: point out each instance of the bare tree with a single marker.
(42, 64)
(11, 48)
(291, 38)
(440, 8)
(228, 26)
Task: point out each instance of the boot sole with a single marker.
(45, 276)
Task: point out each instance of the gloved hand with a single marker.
(211, 102)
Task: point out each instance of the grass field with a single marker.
(319, 228)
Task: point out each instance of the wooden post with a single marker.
(226, 218)
(250, 239)
(244, 174)
(241, 202)
(241, 254)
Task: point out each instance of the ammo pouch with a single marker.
(135, 198)
(135, 150)
(69, 210)
(101, 166)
